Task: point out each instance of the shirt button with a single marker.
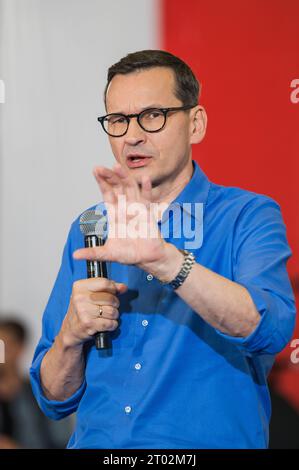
(128, 409)
(149, 277)
(144, 322)
(138, 366)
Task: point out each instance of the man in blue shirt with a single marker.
(194, 324)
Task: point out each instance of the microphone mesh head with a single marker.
(92, 223)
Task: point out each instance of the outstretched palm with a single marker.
(133, 236)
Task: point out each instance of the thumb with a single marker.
(96, 253)
(121, 287)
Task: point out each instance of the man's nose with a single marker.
(135, 134)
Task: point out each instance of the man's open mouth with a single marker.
(137, 160)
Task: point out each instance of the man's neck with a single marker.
(165, 195)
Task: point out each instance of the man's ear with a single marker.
(198, 124)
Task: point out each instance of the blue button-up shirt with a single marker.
(171, 380)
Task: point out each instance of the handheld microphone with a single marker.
(93, 225)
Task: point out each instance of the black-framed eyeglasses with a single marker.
(150, 120)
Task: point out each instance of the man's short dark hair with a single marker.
(187, 87)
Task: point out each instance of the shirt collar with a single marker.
(196, 190)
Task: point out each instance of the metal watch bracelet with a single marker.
(189, 260)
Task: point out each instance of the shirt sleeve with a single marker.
(52, 320)
(260, 254)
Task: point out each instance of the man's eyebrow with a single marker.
(151, 106)
(155, 105)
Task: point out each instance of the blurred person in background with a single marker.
(22, 425)
(283, 385)
(284, 424)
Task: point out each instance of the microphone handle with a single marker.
(97, 269)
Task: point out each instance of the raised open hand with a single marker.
(134, 236)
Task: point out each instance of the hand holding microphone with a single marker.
(93, 225)
(93, 309)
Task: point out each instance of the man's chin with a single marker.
(154, 180)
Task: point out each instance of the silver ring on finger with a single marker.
(100, 311)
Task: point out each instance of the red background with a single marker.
(245, 53)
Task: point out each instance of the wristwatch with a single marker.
(188, 262)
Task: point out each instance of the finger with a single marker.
(99, 284)
(109, 312)
(102, 324)
(107, 192)
(105, 188)
(110, 178)
(146, 188)
(107, 174)
(105, 324)
(98, 253)
(121, 287)
(130, 185)
(104, 298)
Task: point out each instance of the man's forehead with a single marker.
(142, 88)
